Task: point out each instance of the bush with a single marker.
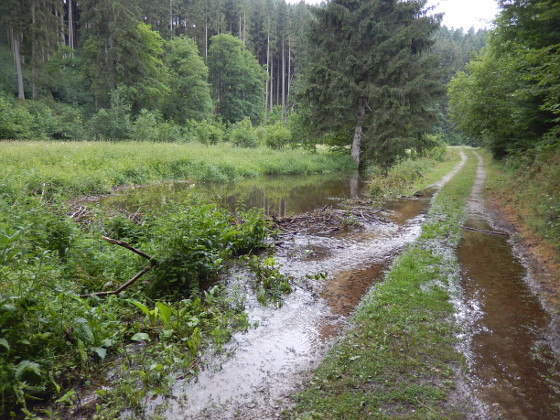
(55, 120)
(277, 136)
(113, 123)
(243, 134)
(207, 132)
(15, 120)
(191, 244)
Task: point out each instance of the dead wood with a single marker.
(123, 286)
(489, 232)
(129, 247)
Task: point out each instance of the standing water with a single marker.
(509, 357)
(261, 367)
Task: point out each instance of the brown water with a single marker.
(278, 196)
(268, 362)
(510, 364)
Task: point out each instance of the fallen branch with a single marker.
(419, 173)
(130, 247)
(123, 286)
(489, 232)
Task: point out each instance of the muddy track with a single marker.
(261, 368)
(510, 341)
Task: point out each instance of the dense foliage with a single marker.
(509, 94)
(51, 252)
(152, 55)
(371, 71)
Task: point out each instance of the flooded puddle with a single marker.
(277, 196)
(508, 343)
(263, 366)
(509, 355)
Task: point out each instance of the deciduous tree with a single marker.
(236, 78)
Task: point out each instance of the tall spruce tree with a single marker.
(371, 77)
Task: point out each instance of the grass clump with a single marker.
(398, 360)
(414, 174)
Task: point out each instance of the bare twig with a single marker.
(129, 247)
(489, 232)
(122, 286)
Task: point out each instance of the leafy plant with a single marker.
(270, 284)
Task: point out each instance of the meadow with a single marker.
(57, 334)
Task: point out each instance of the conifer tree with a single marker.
(236, 78)
(370, 76)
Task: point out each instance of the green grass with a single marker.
(412, 175)
(398, 359)
(89, 168)
(529, 187)
(52, 342)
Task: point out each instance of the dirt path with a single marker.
(262, 367)
(508, 341)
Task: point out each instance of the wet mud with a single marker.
(263, 366)
(512, 369)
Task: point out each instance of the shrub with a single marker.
(15, 120)
(277, 136)
(207, 132)
(243, 134)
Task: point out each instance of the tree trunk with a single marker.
(171, 18)
(283, 80)
(17, 61)
(358, 131)
(70, 25)
(289, 66)
(206, 32)
(271, 97)
(267, 89)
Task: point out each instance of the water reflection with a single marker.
(277, 196)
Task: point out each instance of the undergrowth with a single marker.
(57, 340)
(413, 174)
(398, 359)
(530, 184)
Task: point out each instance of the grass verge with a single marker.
(412, 175)
(90, 168)
(526, 192)
(398, 360)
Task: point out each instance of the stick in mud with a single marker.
(489, 232)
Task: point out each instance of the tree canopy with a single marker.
(236, 78)
(509, 94)
(371, 72)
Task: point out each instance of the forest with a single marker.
(103, 97)
(190, 70)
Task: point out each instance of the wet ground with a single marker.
(269, 362)
(344, 251)
(509, 344)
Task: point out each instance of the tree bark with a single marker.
(70, 25)
(283, 80)
(17, 61)
(267, 92)
(358, 131)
